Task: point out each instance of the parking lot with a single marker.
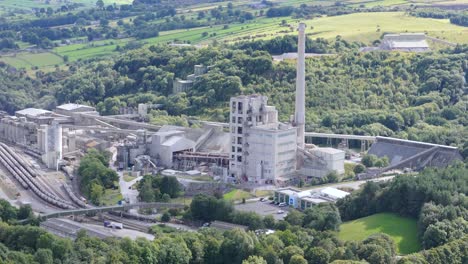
(263, 209)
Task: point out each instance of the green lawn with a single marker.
(237, 195)
(402, 230)
(128, 178)
(27, 60)
(111, 197)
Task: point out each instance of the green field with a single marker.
(27, 60)
(401, 229)
(111, 197)
(364, 27)
(29, 4)
(237, 195)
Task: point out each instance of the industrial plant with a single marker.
(253, 149)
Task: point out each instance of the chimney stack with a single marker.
(299, 117)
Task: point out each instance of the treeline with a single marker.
(95, 175)
(311, 11)
(437, 197)
(288, 43)
(457, 18)
(454, 251)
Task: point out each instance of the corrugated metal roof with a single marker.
(70, 107)
(33, 112)
(333, 192)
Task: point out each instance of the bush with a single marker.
(166, 217)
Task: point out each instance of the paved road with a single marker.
(128, 193)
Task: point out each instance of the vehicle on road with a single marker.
(282, 204)
(115, 225)
(280, 212)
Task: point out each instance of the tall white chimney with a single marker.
(299, 117)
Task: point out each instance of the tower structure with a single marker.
(299, 116)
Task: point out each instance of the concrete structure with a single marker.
(50, 143)
(262, 149)
(414, 155)
(66, 109)
(179, 86)
(18, 130)
(299, 116)
(410, 42)
(324, 161)
(414, 42)
(265, 151)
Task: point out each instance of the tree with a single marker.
(369, 160)
(96, 193)
(166, 217)
(25, 212)
(317, 255)
(290, 251)
(359, 168)
(294, 217)
(237, 245)
(269, 221)
(146, 192)
(173, 251)
(254, 260)
(100, 4)
(297, 259)
(333, 176)
(43, 256)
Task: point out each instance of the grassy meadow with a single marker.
(27, 60)
(402, 230)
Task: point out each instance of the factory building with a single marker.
(179, 86)
(18, 130)
(323, 161)
(408, 42)
(50, 143)
(67, 109)
(266, 151)
(308, 198)
(262, 149)
(414, 42)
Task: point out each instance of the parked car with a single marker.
(262, 199)
(280, 212)
(282, 204)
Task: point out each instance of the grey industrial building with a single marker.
(408, 42)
